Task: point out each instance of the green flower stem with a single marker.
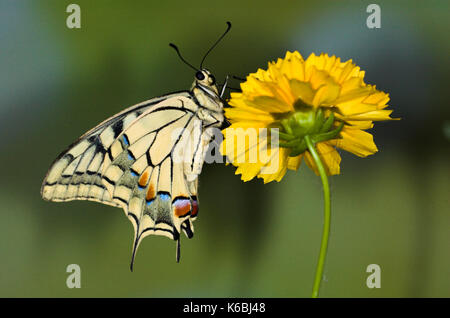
(327, 217)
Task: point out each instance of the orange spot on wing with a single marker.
(150, 193)
(182, 207)
(143, 179)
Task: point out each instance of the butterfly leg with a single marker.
(224, 87)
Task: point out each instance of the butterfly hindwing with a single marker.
(144, 169)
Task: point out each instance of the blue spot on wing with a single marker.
(161, 196)
(134, 174)
(164, 196)
(125, 140)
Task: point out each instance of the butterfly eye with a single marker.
(212, 79)
(200, 76)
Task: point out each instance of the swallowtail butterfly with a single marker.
(127, 161)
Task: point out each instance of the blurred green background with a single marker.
(251, 239)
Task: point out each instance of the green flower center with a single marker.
(307, 121)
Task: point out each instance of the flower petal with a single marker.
(293, 163)
(292, 66)
(248, 171)
(241, 114)
(270, 104)
(326, 95)
(302, 90)
(375, 115)
(276, 168)
(356, 141)
(328, 155)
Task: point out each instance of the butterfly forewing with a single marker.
(76, 173)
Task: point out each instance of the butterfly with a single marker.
(128, 160)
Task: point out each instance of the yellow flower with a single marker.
(320, 96)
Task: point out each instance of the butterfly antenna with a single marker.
(217, 42)
(239, 78)
(181, 58)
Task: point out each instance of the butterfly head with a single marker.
(206, 93)
(205, 79)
